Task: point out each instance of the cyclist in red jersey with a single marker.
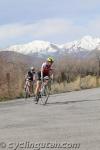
(46, 70)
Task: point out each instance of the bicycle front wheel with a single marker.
(44, 95)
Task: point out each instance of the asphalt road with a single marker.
(69, 120)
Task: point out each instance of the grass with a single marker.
(79, 84)
(87, 82)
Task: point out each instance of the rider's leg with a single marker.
(30, 87)
(29, 94)
(38, 85)
(37, 91)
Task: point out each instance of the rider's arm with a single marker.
(51, 71)
(42, 69)
(41, 73)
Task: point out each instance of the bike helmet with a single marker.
(32, 68)
(50, 59)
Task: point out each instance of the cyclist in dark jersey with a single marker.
(31, 76)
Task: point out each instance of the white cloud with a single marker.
(59, 30)
(41, 29)
(13, 30)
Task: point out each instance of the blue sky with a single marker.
(58, 21)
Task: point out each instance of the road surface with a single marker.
(69, 120)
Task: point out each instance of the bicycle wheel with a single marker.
(44, 95)
(27, 94)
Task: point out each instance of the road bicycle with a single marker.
(44, 91)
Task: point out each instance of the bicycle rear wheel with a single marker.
(27, 94)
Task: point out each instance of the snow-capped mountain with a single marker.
(87, 43)
(34, 47)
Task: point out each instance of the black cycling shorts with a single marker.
(39, 75)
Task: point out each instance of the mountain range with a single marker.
(87, 43)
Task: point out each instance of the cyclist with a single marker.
(31, 77)
(46, 70)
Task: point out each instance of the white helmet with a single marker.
(32, 68)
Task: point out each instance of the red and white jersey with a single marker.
(46, 68)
